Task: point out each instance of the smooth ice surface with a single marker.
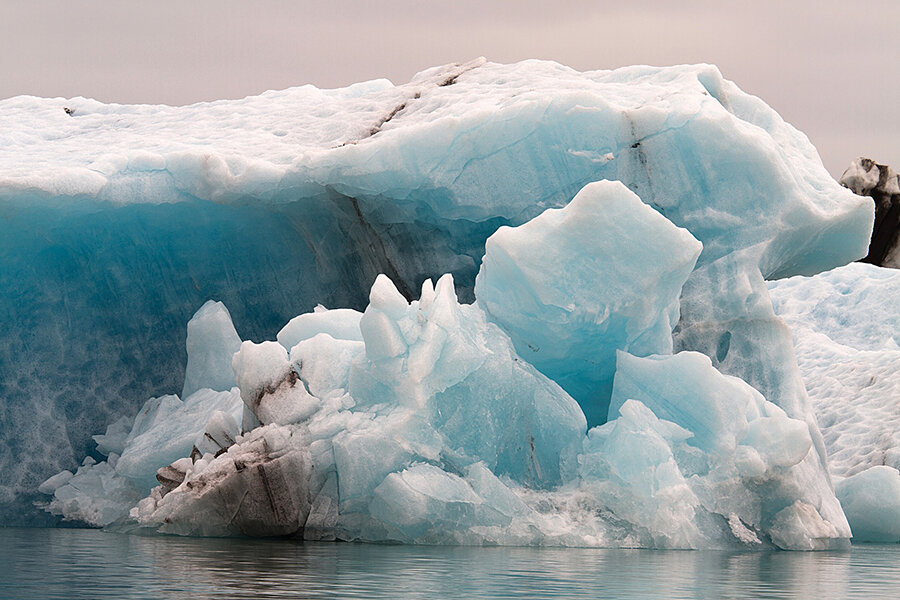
(119, 221)
(574, 285)
(340, 323)
(871, 500)
(846, 331)
(211, 342)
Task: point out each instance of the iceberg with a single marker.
(277, 203)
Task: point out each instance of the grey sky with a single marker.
(832, 68)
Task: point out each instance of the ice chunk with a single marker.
(96, 494)
(426, 504)
(340, 323)
(270, 388)
(630, 466)
(740, 455)
(726, 313)
(173, 435)
(211, 342)
(871, 500)
(116, 436)
(221, 431)
(55, 482)
(576, 284)
(256, 488)
(466, 379)
(324, 362)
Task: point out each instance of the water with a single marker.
(77, 563)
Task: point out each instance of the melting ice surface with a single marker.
(528, 405)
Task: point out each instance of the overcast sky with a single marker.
(832, 68)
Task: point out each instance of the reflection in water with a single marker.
(77, 563)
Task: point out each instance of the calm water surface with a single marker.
(79, 563)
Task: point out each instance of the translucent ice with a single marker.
(433, 430)
(694, 443)
(871, 500)
(211, 342)
(433, 391)
(574, 285)
(120, 220)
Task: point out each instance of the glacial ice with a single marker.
(732, 436)
(433, 430)
(432, 390)
(429, 427)
(846, 333)
(417, 420)
(574, 285)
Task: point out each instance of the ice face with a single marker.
(574, 285)
(276, 203)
